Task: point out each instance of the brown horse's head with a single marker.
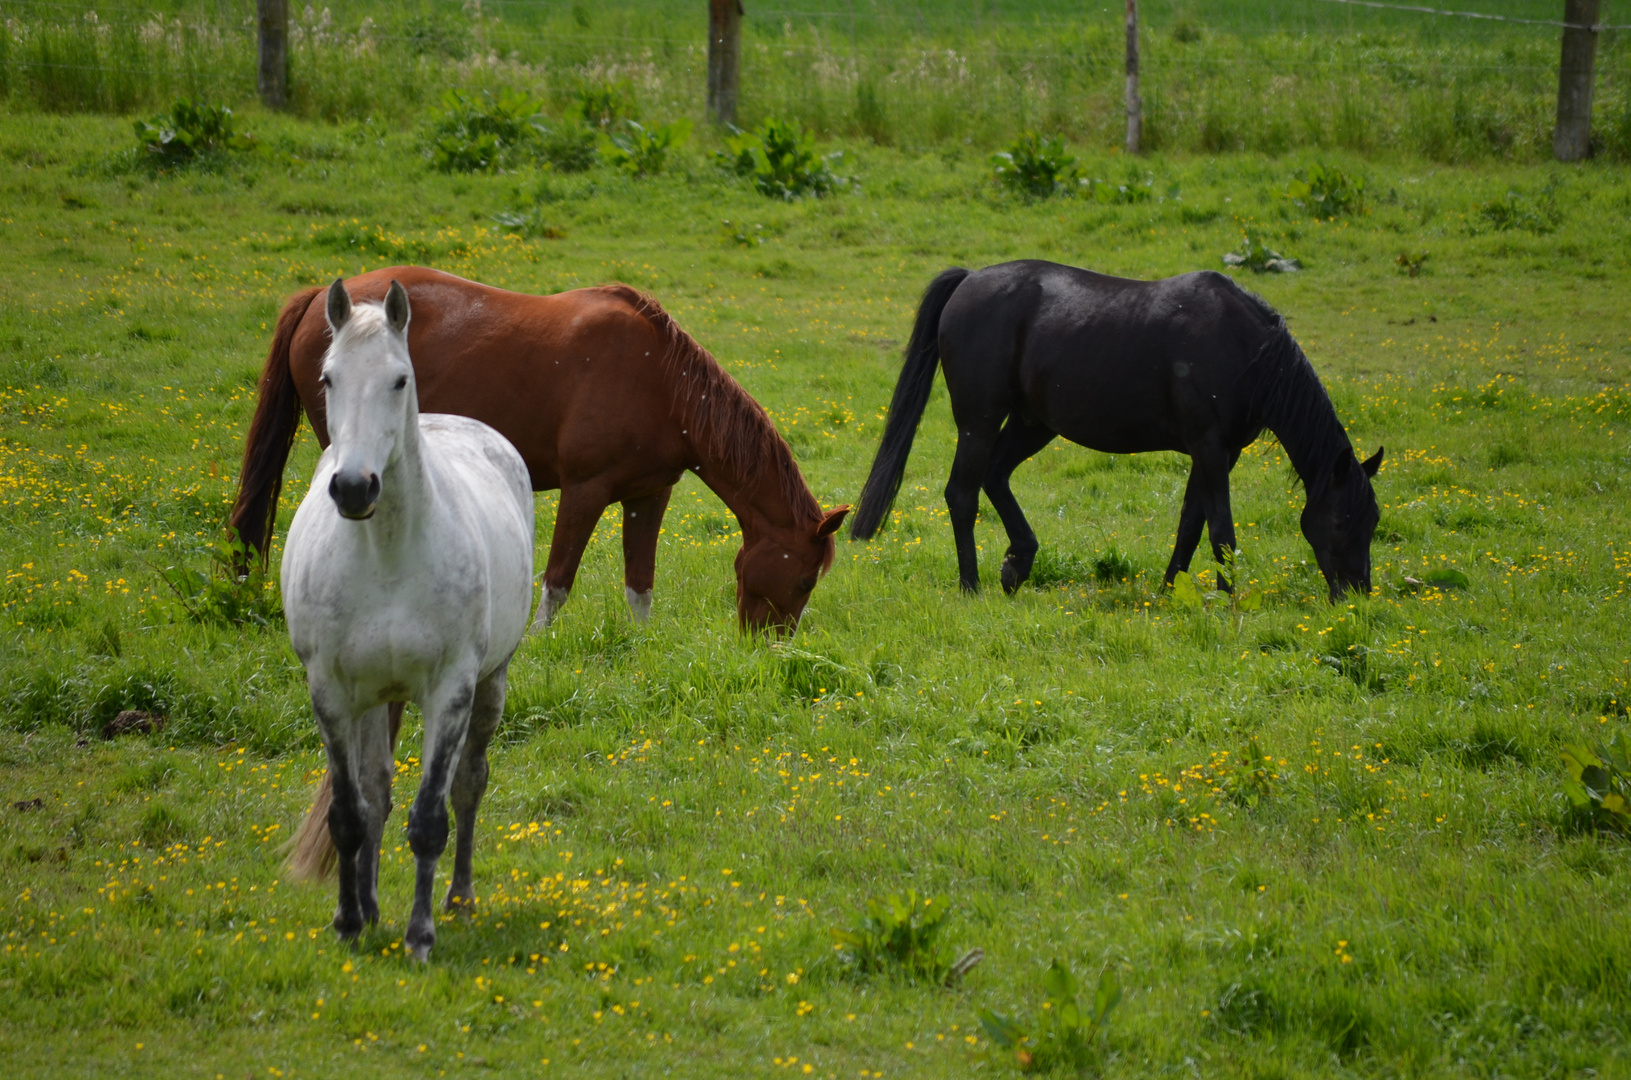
(777, 571)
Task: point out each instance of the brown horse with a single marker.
(606, 399)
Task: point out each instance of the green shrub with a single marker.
(482, 132)
(642, 151)
(1065, 1032)
(1034, 165)
(191, 129)
(1599, 784)
(898, 933)
(780, 158)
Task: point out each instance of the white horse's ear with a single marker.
(396, 307)
(339, 306)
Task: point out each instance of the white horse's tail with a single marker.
(311, 852)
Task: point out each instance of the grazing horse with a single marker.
(605, 398)
(407, 575)
(1192, 363)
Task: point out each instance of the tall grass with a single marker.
(1218, 76)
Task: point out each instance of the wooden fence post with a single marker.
(273, 77)
(724, 58)
(1571, 141)
(1135, 107)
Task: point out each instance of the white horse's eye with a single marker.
(401, 381)
(323, 380)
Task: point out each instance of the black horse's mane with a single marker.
(1289, 400)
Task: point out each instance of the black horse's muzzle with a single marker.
(355, 494)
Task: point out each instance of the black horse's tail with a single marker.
(906, 407)
(271, 437)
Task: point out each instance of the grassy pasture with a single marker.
(1218, 75)
(679, 816)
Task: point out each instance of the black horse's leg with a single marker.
(968, 468)
(1190, 522)
(1017, 442)
(1214, 466)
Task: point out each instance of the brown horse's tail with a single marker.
(311, 853)
(271, 435)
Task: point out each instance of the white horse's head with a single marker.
(370, 399)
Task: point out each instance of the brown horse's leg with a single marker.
(581, 507)
(642, 521)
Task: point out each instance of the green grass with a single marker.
(1218, 75)
(1409, 896)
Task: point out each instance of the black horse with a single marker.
(1192, 363)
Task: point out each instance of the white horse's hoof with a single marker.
(420, 953)
(639, 604)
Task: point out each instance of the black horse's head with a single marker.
(1340, 520)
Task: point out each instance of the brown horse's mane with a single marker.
(724, 422)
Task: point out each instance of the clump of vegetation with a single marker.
(780, 158)
(1105, 191)
(1035, 165)
(604, 105)
(568, 145)
(1326, 191)
(1252, 779)
(1412, 263)
(899, 933)
(1066, 1032)
(1231, 592)
(1258, 257)
(1054, 567)
(1599, 784)
(477, 133)
(235, 591)
(1113, 565)
(642, 151)
(1516, 211)
(191, 129)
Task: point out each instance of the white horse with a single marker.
(407, 576)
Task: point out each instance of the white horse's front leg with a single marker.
(348, 811)
(447, 722)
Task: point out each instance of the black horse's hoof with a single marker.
(1014, 575)
(970, 588)
(348, 927)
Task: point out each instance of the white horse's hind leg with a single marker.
(548, 605)
(639, 604)
(470, 783)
